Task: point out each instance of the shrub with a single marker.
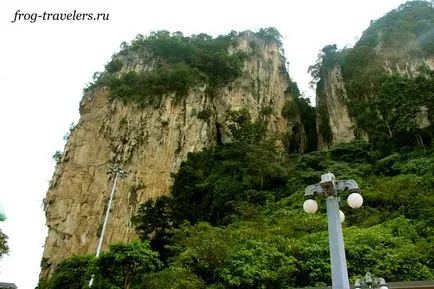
(114, 66)
(204, 114)
(180, 64)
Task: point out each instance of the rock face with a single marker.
(370, 90)
(333, 97)
(150, 144)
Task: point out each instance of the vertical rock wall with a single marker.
(333, 96)
(150, 143)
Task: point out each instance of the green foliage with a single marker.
(114, 66)
(391, 116)
(180, 63)
(202, 248)
(290, 110)
(327, 59)
(404, 194)
(238, 257)
(391, 249)
(155, 218)
(267, 241)
(384, 103)
(293, 89)
(72, 127)
(204, 114)
(256, 264)
(266, 110)
(358, 151)
(210, 183)
(147, 89)
(412, 21)
(57, 156)
(174, 278)
(4, 249)
(394, 113)
(216, 185)
(420, 166)
(71, 273)
(222, 227)
(123, 266)
(270, 35)
(387, 165)
(243, 130)
(234, 218)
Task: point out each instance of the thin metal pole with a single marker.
(336, 243)
(107, 213)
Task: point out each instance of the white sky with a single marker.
(45, 65)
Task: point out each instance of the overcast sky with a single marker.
(45, 65)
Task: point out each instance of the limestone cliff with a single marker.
(355, 97)
(149, 142)
(334, 99)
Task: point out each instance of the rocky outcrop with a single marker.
(150, 143)
(333, 97)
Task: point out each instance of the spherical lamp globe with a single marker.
(355, 200)
(341, 216)
(310, 206)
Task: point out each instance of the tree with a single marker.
(4, 249)
(240, 256)
(57, 156)
(125, 264)
(271, 35)
(71, 273)
(173, 278)
(153, 222)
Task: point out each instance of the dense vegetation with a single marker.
(234, 220)
(175, 64)
(4, 249)
(410, 22)
(385, 95)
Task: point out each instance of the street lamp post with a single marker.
(117, 172)
(371, 282)
(330, 189)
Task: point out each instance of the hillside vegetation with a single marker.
(234, 220)
(177, 63)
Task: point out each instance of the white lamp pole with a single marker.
(117, 172)
(330, 189)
